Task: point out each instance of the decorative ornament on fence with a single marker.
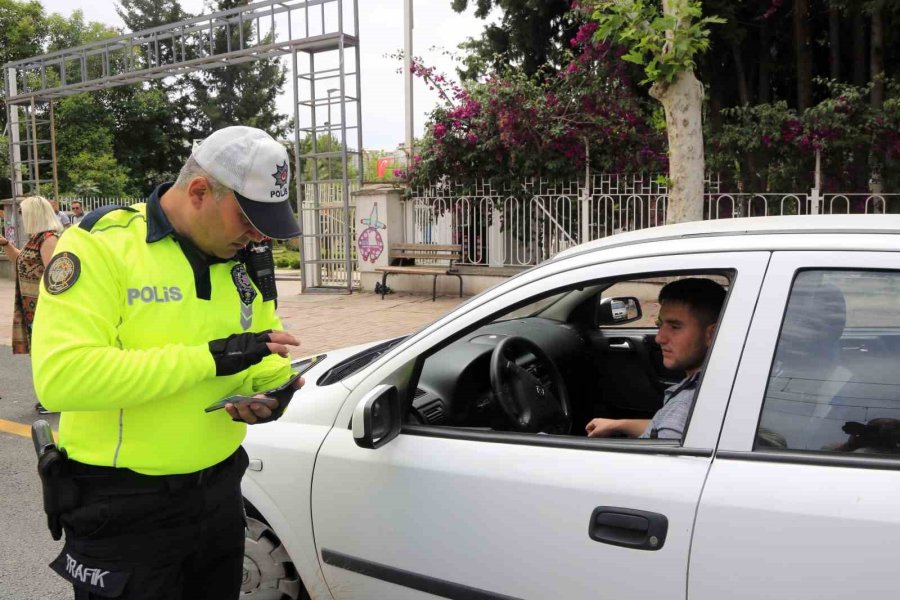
(370, 242)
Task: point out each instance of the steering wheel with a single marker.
(529, 404)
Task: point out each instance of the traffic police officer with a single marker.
(145, 319)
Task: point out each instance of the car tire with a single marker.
(269, 572)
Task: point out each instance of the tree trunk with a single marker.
(743, 91)
(682, 101)
(859, 48)
(834, 43)
(802, 54)
(765, 63)
(876, 57)
(714, 111)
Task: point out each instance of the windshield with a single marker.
(533, 309)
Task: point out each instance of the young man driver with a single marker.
(688, 314)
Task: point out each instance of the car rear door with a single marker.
(796, 506)
(456, 513)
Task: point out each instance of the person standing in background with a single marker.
(63, 217)
(44, 229)
(77, 212)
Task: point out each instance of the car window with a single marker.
(532, 308)
(544, 366)
(646, 290)
(834, 384)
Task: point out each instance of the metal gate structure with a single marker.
(323, 34)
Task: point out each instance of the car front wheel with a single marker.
(269, 573)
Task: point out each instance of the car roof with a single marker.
(806, 224)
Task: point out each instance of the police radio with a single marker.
(260, 262)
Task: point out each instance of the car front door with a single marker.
(802, 498)
(456, 513)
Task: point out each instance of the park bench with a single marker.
(440, 259)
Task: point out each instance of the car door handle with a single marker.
(619, 345)
(637, 529)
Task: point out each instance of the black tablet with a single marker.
(281, 393)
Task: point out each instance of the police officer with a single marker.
(145, 319)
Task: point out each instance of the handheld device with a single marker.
(283, 393)
(279, 393)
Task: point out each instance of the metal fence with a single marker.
(325, 246)
(89, 203)
(504, 227)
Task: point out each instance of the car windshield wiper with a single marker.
(351, 365)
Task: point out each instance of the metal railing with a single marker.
(89, 203)
(500, 228)
(325, 222)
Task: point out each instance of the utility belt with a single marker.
(114, 481)
(64, 482)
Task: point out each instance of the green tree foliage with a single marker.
(531, 34)
(772, 147)
(329, 167)
(85, 147)
(23, 29)
(242, 94)
(146, 14)
(664, 45)
(139, 134)
(150, 141)
(63, 32)
(755, 50)
(129, 129)
(97, 171)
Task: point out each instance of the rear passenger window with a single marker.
(835, 381)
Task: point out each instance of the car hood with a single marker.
(318, 402)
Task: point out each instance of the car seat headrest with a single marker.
(815, 318)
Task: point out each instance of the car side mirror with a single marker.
(377, 419)
(618, 310)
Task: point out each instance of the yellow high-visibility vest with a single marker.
(119, 345)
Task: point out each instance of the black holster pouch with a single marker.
(58, 487)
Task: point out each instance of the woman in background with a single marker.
(44, 228)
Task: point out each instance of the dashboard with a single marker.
(455, 384)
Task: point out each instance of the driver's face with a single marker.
(683, 339)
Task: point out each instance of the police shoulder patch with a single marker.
(243, 284)
(62, 272)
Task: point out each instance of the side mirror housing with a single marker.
(618, 310)
(377, 419)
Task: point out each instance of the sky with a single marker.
(437, 28)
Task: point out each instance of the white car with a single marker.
(453, 463)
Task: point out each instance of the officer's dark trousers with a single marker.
(178, 537)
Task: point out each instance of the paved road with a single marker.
(25, 543)
(322, 322)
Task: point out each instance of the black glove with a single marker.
(239, 351)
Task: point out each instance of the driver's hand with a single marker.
(602, 427)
